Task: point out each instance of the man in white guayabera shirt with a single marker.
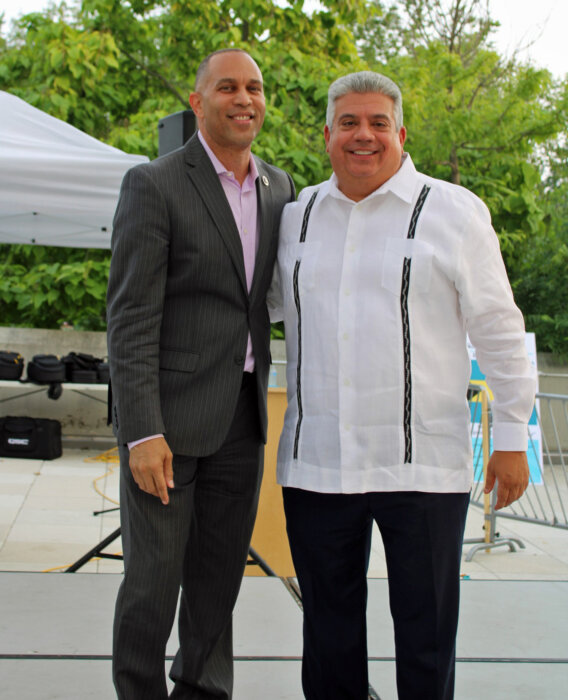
(382, 271)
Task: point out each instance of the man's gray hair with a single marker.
(364, 81)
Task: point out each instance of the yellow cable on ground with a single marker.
(103, 476)
(109, 456)
(66, 566)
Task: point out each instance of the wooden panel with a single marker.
(269, 538)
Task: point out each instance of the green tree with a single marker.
(474, 117)
(540, 287)
(480, 120)
(113, 69)
(44, 287)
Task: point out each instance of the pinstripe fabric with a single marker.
(178, 308)
(178, 320)
(201, 541)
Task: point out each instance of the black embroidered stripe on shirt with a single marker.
(407, 411)
(417, 209)
(306, 218)
(303, 232)
(299, 358)
(406, 361)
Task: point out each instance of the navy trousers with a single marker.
(330, 538)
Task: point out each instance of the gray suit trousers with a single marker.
(199, 542)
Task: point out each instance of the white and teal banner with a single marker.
(534, 453)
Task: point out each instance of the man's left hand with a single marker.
(511, 471)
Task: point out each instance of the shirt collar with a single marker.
(402, 184)
(220, 169)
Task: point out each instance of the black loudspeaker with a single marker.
(174, 130)
(31, 438)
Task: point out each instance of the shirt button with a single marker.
(346, 382)
(347, 292)
(346, 336)
(347, 427)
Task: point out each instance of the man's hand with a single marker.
(511, 470)
(151, 467)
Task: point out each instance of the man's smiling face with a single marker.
(229, 101)
(364, 147)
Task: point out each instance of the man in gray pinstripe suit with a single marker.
(193, 247)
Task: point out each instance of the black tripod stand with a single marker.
(96, 551)
(254, 559)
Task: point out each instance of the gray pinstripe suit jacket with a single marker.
(178, 308)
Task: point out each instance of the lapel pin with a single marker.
(265, 180)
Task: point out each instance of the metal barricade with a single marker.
(545, 502)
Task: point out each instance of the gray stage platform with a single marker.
(55, 639)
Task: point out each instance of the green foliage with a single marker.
(540, 286)
(480, 120)
(277, 331)
(474, 117)
(542, 293)
(45, 287)
(113, 69)
(56, 66)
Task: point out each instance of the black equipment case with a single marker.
(11, 365)
(31, 438)
(85, 369)
(46, 369)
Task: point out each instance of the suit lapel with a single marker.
(264, 203)
(206, 182)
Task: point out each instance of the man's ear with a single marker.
(195, 103)
(327, 136)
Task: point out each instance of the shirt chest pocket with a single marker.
(411, 257)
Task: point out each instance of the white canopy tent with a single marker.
(58, 186)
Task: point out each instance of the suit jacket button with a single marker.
(239, 359)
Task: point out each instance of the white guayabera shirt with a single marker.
(377, 298)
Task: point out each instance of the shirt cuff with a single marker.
(510, 437)
(137, 442)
